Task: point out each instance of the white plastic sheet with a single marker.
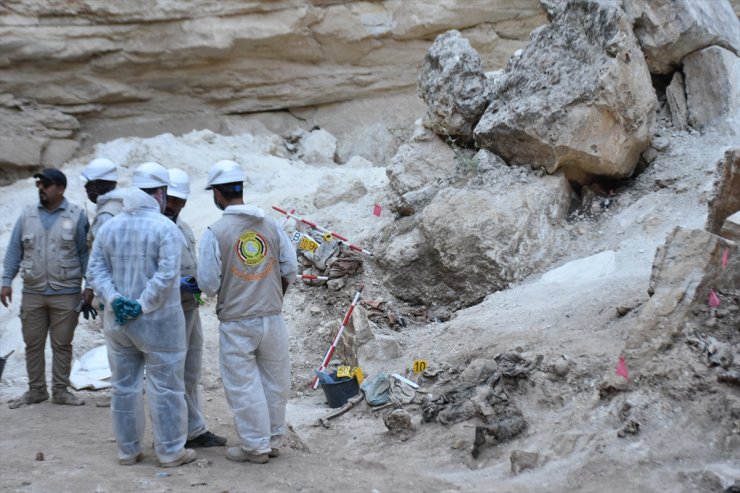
(91, 371)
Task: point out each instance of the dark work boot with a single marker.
(206, 439)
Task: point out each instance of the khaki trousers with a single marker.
(54, 316)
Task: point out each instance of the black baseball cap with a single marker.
(53, 175)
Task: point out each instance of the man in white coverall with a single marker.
(135, 269)
(248, 260)
(177, 196)
(100, 177)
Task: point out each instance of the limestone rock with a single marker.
(418, 170)
(470, 242)
(32, 136)
(685, 267)
(319, 146)
(138, 68)
(726, 199)
(669, 30)
(579, 98)
(332, 191)
(361, 342)
(522, 460)
(676, 98)
(453, 86)
(398, 421)
(712, 86)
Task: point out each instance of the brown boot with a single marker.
(67, 398)
(30, 397)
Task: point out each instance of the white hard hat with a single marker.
(100, 169)
(179, 184)
(224, 172)
(150, 175)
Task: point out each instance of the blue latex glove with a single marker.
(125, 309)
(189, 284)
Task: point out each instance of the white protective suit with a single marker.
(253, 352)
(193, 336)
(136, 254)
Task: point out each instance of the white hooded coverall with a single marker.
(136, 254)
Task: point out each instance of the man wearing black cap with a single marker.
(48, 245)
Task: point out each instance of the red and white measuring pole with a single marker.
(315, 226)
(345, 321)
(311, 277)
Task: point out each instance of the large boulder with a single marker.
(453, 86)
(713, 87)
(669, 30)
(475, 239)
(579, 98)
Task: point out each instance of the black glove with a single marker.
(189, 284)
(88, 311)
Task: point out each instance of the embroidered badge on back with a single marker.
(251, 248)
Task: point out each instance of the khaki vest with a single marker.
(250, 267)
(50, 256)
(188, 264)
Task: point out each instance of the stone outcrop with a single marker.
(713, 87)
(474, 237)
(453, 86)
(669, 30)
(140, 68)
(35, 135)
(726, 199)
(578, 98)
(685, 268)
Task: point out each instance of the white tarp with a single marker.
(91, 371)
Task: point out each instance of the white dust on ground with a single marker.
(568, 312)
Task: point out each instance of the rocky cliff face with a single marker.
(105, 69)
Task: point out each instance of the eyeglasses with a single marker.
(44, 183)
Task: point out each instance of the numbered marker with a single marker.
(328, 237)
(357, 373)
(420, 365)
(307, 244)
(343, 371)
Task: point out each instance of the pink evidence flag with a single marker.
(622, 368)
(376, 210)
(713, 299)
(725, 258)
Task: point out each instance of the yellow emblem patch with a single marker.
(251, 248)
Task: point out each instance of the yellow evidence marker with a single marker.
(307, 244)
(420, 365)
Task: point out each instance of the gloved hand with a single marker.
(88, 311)
(189, 284)
(125, 309)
